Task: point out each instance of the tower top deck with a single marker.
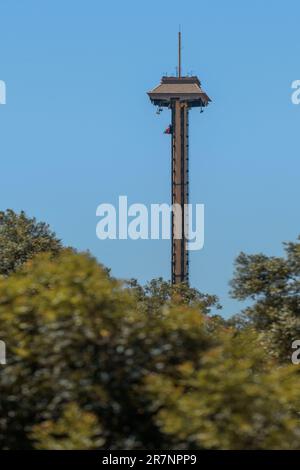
(187, 89)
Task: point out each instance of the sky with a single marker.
(78, 128)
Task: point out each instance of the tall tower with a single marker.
(179, 94)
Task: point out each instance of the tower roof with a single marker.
(186, 89)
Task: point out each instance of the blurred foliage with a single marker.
(236, 399)
(96, 363)
(74, 430)
(75, 335)
(21, 238)
(273, 286)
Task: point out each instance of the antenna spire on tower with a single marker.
(179, 53)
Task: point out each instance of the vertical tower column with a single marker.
(180, 94)
(180, 191)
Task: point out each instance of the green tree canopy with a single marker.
(21, 238)
(89, 366)
(159, 292)
(74, 334)
(237, 399)
(273, 286)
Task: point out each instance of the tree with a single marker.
(273, 286)
(21, 238)
(88, 365)
(76, 335)
(237, 399)
(74, 430)
(159, 292)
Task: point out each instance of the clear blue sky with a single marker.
(78, 128)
